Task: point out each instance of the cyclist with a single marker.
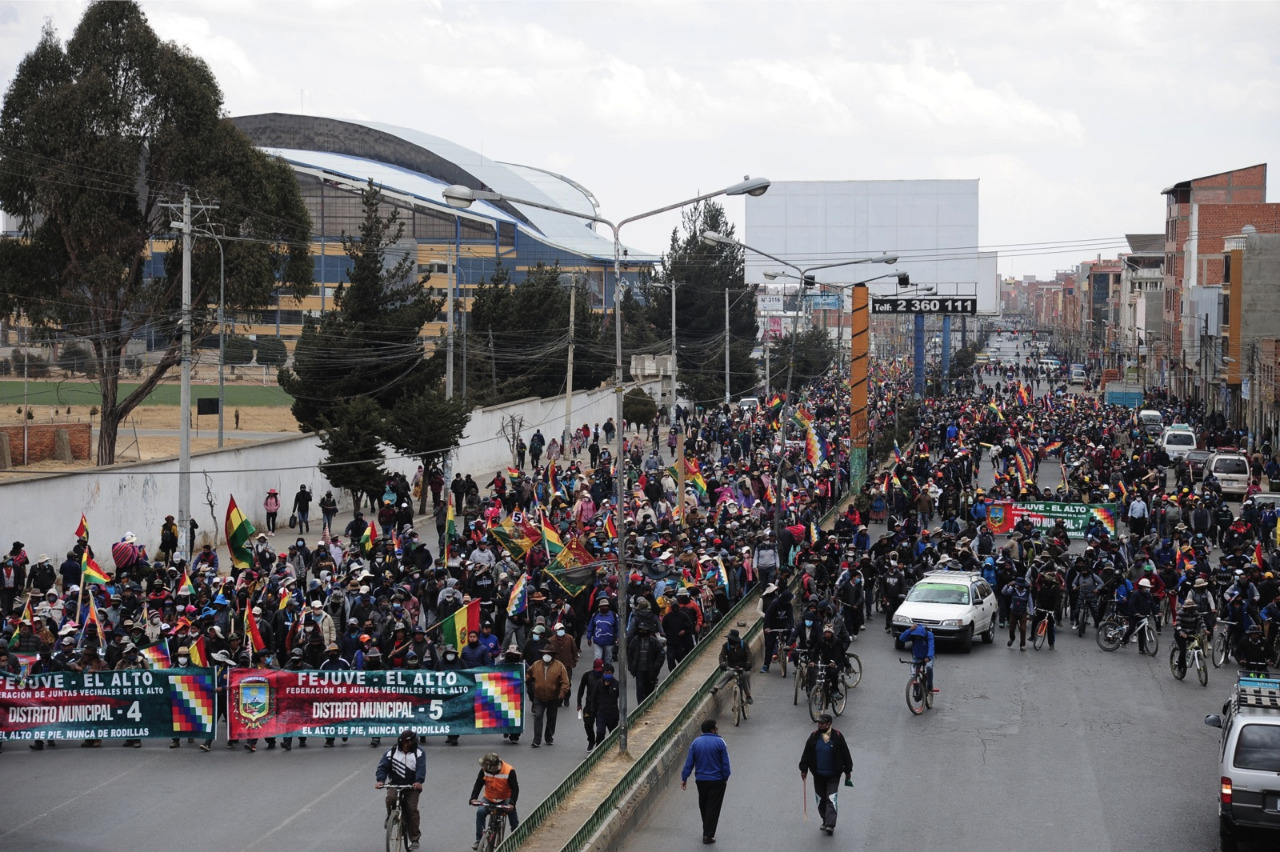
(735, 654)
(829, 654)
(1189, 625)
(1251, 653)
(1048, 599)
(920, 638)
(1141, 603)
(497, 779)
(404, 763)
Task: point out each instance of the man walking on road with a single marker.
(826, 755)
(709, 760)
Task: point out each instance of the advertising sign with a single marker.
(271, 703)
(1002, 516)
(925, 305)
(131, 704)
(771, 328)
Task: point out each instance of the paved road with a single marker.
(1066, 750)
(73, 799)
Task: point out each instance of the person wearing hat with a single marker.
(1018, 593)
(601, 707)
(735, 654)
(302, 508)
(826, 754)
(498, 783)
(1141, 603)
(272, 507)
(333, 662)
(644, 659)
(548, 686)
(13, 578)
(589, 678)
(602, 631)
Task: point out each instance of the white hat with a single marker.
(316, 605)
(129, 538)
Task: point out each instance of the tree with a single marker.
(271, 352)
(30, 365)
(639, 407)
(528, 326)
(237, 350)
(814, 355)
(360, 377)
(94, 138)
(703, 273)
(74, 359)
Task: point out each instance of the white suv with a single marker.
(955, 605)
(1249, 786)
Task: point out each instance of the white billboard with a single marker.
(768, 303)
(932, 225)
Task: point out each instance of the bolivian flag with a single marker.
(90, 571)
(238, 532)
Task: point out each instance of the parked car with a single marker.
(1249, 762)
(955, 605)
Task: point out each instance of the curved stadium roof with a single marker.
(421, 165)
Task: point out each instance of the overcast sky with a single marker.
(1072, 115)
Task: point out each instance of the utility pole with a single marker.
(448, 355)
(568, 385)
(184, 445)
(673, 354)
(726, 346)
(768, 388)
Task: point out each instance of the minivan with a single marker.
(1232, 470)
(1249, 760)
(1151, 422)
(1177, 442)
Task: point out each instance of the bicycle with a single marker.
(739, 697)
(801, 678)
(1111, 634)
(1195, 657)
(1041, 631)
(1083, 615)
(852, 675)
(919, 696)
(1221, 642)
(781, 651)
(396, 839)
(827, 692)
(496, 826)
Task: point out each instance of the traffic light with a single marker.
(904, 280)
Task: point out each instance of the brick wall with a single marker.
(40, 441)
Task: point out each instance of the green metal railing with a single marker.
(556, 797)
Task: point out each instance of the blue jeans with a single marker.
(482, 814)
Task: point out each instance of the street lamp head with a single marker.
(459, 196)
(887, 258)
(755, 187)
(771, 275)
(713, 238)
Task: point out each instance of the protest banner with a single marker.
(126, 704)
(271, 703)
(1003, 516)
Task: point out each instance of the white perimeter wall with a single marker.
(43, 512)
(931, 224)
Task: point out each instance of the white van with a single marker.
(1151, 422)
(1078, 376)
(1051, 363)
(1232, 470)
(1249, 762)
(1177, 442)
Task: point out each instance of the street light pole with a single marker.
(222, 328)
(806, 280)
(461, 197)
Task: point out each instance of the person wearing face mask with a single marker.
(826, 755)
(565, 650)
(778, 623)
(221, 668)
(679, 629)
(450, 662)
(602, 705)
(548, 685)
(297, 662)
(589, 679)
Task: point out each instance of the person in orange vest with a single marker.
(497, 779)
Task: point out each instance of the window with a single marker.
(941, 593)
(1258, 748)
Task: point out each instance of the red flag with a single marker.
(82, 531)
(251, 631)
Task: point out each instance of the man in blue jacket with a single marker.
(402, 765)
(920, 638)
(709, 759)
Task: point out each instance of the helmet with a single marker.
(491, 762)
(1144, 583)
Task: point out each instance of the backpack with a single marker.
(1020, 600)
(986, 543)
